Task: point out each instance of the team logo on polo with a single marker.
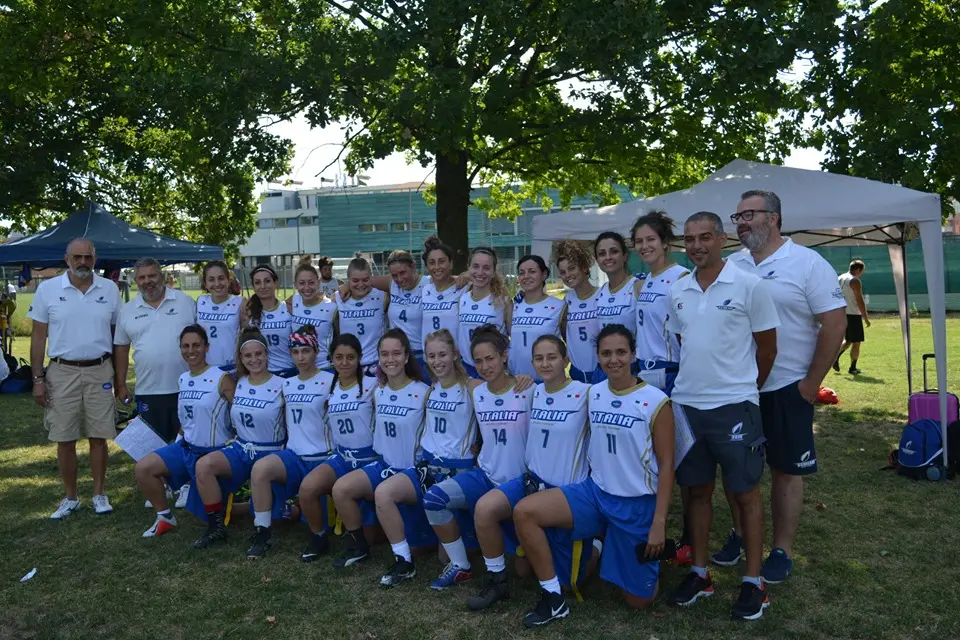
(550, 401)
(499, 402)
(171, 312)
(649, 296)
(770, 275)
(440, 297)
(806, 461)
(100, 300)
(443, 394)
(393, 398)
(736, 433)
(307, 312)
(726, 306)
(438, 405)
(475, 307)
(393, 410)
(583, 305)
(191, 383)
(610, 419)
(549, 415)
(301, 387)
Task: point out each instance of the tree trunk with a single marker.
(453, 199)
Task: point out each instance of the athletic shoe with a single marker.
(777, 567)
(183, 494)
(319, 544)
(215, 533)
(400, 571)
(854, 372)
(101, 505)
(351, 557)
(751, 603)
(495, 589)
(552, 606)
(690, 590)
(684, 554)
(161, 525)
(836, 366)
(259, 543)
(732, 551)
(67, 506)
(451, 576)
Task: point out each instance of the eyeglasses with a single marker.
(747, 215)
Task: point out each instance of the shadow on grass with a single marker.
(868, 379)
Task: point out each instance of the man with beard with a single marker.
(328, 284)
(727, 325)
(812, 322)
(73, 317)
(152, 323)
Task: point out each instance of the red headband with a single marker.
(303, 340)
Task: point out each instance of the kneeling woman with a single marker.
(277, 477)
(203, 406)
(399, 403)
(258, 420)
(627, 495)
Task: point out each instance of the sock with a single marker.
(853, 363)
(166, 513)
(457, 553)
(359, 539)
(598, 545)
(213, 508)
(495, 565)
(552, 585)
(262, 518)
(700, 571)
(755, 581)
(402, 549)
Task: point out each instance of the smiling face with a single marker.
(265, 286)
(217, 282)
(404, 275)
(571, 274)
(193, 350)
(441, 359)
(359, 282)
(649, 246)
(345, 361)
(393, 357)
(308, 285)
(610, 256)
(150, 282)
(482, 269)
(704, 245)
(489, 363)
(439, 266)
(254, 357)
(305, 358)
(615, 357)
(530, 277)
(548, 362)
(755, 234)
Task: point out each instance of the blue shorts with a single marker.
(417, 528)
(297, 469)
(241, 465)
(463, 517)
(581, 376)
(342, 465)
(471, 371)
(181, 462)
(627, 523)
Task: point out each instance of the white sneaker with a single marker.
(67, 506)
(182, 496)
(161, 526)
(101, 505)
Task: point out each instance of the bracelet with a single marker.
(36, 378)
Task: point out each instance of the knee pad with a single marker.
(435, 499)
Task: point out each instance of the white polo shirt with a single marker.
(78, 324)
(155, 337)
(718, 356)
(803, 285)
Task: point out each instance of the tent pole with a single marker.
(906, 300)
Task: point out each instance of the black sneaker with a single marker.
(259, 543)
(319, 545)
(854, 371)
(353, 555)
(552, 606)
(690, 590)
(495, 589)
(400, 571)
(836, 366)
(215, 533)
(751, 603)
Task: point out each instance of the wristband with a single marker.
(38, 378)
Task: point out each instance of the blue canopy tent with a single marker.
(118, 243)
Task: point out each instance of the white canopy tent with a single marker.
(819, 209)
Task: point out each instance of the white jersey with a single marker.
(399, 425)
(350, 415)
(849, 295)
(559, 432)
(222, 324)
(257, 411)
(441, 310)
(504, 420)
(473, 314)
(530, 321)
(617, 307)
(364, 319)
(622, 460)
(583, 327)
(654, 340)
(330, 287)
(406, 312)
(306, 402)
(450, 427)
(276, 327)
(203, 412)
(321, 317)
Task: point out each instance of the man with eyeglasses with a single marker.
(813, 319)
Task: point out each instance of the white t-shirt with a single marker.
(530, 321)
(154, 335)
(405, 312)
(718, 364)
(582, 330)
(504, 420)
(803, 285)
(559, 432)
(306, 407)
(849, 295)
(473, 315)
(222, 324)
(654, 341)
(441, 309)
(78, 324)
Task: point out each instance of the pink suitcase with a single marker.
(926, 404)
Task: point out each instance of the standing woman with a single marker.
(311, 306)
(203, 404)
(486, 303)
(349, 434)
(257, 418)
(440, 299)
(364, 313)
(616, 300)
(503, 417)
(399, 401)
(535, 314)
(218, 312)
(574, 262)
(276, 478)
(265, 312)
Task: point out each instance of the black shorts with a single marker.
(854, 329)
(788, 426)
(160, 412)
(730, 436)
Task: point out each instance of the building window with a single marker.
(265, 223)
(415, 226)
(372, 228)
(399, 226)
(293, 222)
(429, 226)
(309, 221)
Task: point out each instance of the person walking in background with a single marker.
(8, 306)
(328, 284)
(852, 290)
(124, 284)
(73, 317)
(12, 291)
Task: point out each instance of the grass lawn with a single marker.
(876, 557)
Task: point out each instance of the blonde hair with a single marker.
(444, 335)
(498, 288)
(576, 253)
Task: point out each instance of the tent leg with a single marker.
(898, 266)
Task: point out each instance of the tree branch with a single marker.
(346, 143)
(353, 14)
(404, 18)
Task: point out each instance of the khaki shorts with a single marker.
(73, 392)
